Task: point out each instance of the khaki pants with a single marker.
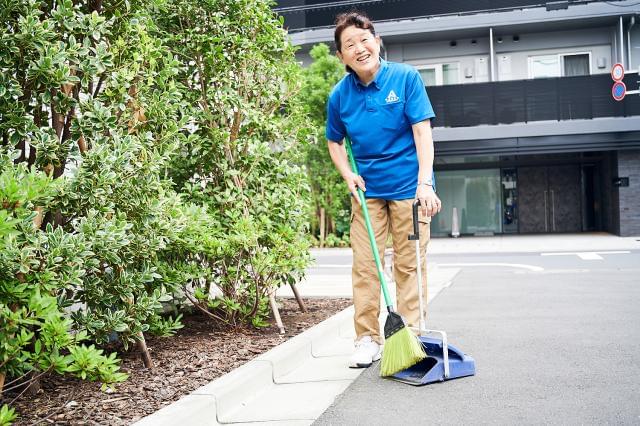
(393, 216)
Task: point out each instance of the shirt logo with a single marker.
(392, 97)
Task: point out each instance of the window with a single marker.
(440, 74)
(430, 76)
(544, 66)
(560, 65)
(573, 65)
(451, 73)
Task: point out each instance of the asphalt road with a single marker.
(556, 340)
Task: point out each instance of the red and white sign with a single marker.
(619, 90)
(617, 72)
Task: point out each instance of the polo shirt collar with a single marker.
(377, 80)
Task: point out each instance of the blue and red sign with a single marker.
(619, 90)
(617, 72)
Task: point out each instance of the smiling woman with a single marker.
(384, 110)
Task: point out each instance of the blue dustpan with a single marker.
(439, 365)
(443, 361)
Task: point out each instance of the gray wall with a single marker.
(629, 166)
(511, 56)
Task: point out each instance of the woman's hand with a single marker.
(429, 201)
(354, 182)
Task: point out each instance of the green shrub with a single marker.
(241, 157)
(327, 186)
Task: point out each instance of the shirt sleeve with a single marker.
(417, 106)
(335, 130)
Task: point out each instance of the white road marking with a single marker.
(330, 265)
(511, 265)
(586, 255)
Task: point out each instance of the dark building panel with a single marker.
(505, 102)
(629, 196)
(321, 13)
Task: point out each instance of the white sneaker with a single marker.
(366, 352)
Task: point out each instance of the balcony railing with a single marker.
(565, 98)
(305, 14)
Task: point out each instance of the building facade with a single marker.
(528, 137)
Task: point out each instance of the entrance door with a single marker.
(549, 199)
(564, 199)
(532, 199)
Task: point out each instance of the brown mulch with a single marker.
(197, 354)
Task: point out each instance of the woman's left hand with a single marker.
(429, 201)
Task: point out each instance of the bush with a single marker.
(327, 186)
(158, 158)
(241, 157)
(84, 199)
(37, 337)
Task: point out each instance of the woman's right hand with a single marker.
(354, 182)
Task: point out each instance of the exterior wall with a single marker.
(512, 57)
(629, 166)
(518, 62)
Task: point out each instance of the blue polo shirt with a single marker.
(378, 118)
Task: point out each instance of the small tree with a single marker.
(86, 98)
(328, 191)
(242, 153)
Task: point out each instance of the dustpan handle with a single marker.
(416, 222)
(416, 237)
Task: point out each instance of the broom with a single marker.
(402, 348)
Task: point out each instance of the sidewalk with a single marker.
(294, 383)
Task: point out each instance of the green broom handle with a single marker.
(367, 221)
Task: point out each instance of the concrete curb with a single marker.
(292, 384)
(250, 393)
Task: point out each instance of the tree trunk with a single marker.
(322, 230)
(303, 308)
(144, 351)
(37, 221)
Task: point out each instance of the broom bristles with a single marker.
(401, 351)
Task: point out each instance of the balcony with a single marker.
(525, 101)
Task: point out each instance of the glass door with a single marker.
(474, 197)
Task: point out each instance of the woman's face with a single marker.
(360, 50)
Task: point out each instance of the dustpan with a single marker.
(443, 361)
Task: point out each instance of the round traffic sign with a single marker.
(619, 90)
(617, 72)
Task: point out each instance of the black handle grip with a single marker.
(416, 223)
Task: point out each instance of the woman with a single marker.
(384, 110)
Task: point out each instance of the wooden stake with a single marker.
(276, 313)
(1, 383)
(298, 298)
(144, 351)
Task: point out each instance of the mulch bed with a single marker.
(197, 354)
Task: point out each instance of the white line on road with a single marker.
(586, 255)
(511, 265)
(330, 265)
